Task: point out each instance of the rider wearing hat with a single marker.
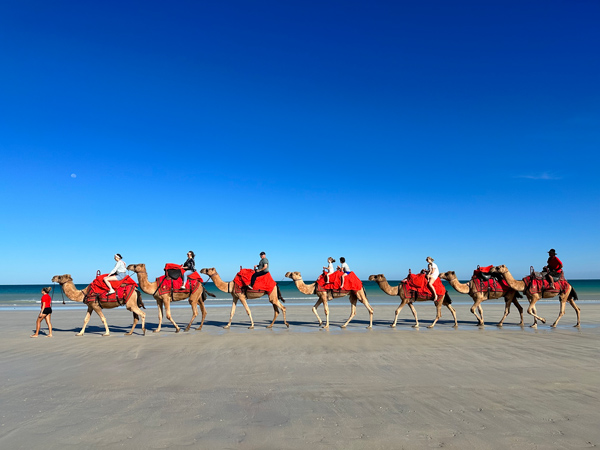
(553, 267)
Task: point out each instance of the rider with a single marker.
(118, 273)
(261, 269)
(553, 267)
(433, 274)
(189, 266)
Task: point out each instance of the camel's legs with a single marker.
(404, 302)
(203, 311)
(438, 315)
(159, 304)
(98, 310)
(477, 307)
(194, 305)
(414, 311)
(363, 299)
(85, 321)
(532, 311)
(352, 310)
(314, 310)
(564, 298)
(241, 298)
(276, 313)
(453, 312)
(168, 314)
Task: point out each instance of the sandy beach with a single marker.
(302, 387)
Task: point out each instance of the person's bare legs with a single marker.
(430, 285)
(107, 282)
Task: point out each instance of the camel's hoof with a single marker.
(343, 326)
(226, 327)
(577, 326)
(269, 326)
(144, 330)
(534, 325)
(430, 326)
(156, 331)
(369, 327)
(199, 328)
(106, 334)
(287, 325)
(129, 334)
(542, 320)
(177, 331)
(415, 326)
(251, 328)
(79, 334)
(553, 325)
(393, 325)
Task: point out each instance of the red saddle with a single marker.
(535, 285)
(351, 283)
(484, 281)
(415, 286)
(173, 280)
(99, 291)
(266, 283)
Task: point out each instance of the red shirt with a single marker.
(46, 300)
(555, 264)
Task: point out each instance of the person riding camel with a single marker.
(345, 269)
(261, 269)
(433, 274)
(553, 267)
(328, 270)
(117, 273)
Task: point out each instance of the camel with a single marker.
(325, 296)
(133, 304)
(470, 289)
(569, 296)
(151, 288)
(389, 290)
(229, 287)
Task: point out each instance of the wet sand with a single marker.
(302, 387)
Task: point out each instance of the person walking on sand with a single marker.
(45, 313)
(117, 273)
(433, 274)
(553, 267)
(189, 266)
(261, 269)
(345, 271)
(328, 270)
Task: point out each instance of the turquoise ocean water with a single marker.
(26, 297)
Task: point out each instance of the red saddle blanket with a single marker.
(491, 285)
(265, 283)
(415, 285)
(351, 283)
(99, 290)
(166, 284)
(535, 285)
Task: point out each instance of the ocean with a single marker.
(27, 297)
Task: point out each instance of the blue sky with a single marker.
(380, 131)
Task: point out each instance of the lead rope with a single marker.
(61, 292)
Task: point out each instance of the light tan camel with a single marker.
(229, 287)
(510, 296)
(569, 296)
(325, 296)
(164, 300)
(133, 304)
(395, 290)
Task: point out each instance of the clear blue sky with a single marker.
(382, 131)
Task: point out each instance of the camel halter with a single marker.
(61, 292)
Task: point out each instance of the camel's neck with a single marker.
(221, 285)
(147, 286)
(305, 288)
(385, 287)
(516, 285)
(458, 286)
(73, 293)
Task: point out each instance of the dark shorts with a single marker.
(47, 311)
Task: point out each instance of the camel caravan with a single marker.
(181, 282)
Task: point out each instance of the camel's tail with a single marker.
(279, 296)
(447, 300)
(573, 294)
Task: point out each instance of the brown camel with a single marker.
(510, 296)
(389, 290)
(325, 296)
(197, 298)
(568, 296)
(133, 304)
(229, 287)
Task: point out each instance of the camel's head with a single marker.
(450, 275)
(378, 278)
(210, 272)
(62, 279)
(137, 268)
(499, 269)
(294, 275)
